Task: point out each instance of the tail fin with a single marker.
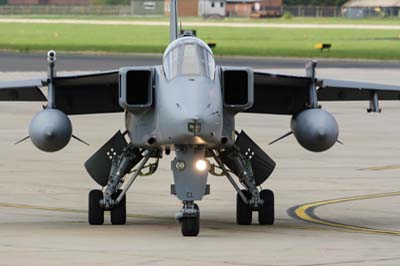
(173, 20)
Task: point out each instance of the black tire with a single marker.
(118, 213)
(96, 212)
(243, 211)
(191, 225)
(266, 215)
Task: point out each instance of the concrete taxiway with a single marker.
(333, 208)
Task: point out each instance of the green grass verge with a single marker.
(294, 20)
(363, 44)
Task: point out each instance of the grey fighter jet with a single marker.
(186, 106)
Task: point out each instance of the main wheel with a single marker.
(266, 214)
(243, 211)
(191, 225)
(96, 212)
(118, 213)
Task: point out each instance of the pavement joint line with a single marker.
(306, 212)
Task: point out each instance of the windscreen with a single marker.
(189, 59)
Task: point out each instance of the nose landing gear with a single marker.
(189, 217)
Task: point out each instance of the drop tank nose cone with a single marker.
(321, 134)
(50, 133)
(315, 129)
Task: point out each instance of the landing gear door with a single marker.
(99, 164)
(261, 163)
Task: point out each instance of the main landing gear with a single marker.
(96, 211)
(266, 212)
(113, 198)
(249, 199)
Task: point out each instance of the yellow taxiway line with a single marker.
(381, 168)
(306, 213)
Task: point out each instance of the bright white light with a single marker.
(201, 165)
(180, 165)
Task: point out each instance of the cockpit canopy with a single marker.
(188, 56)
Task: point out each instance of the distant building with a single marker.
(370, 8)
(241, 8)
(212, 8)
(268, 8)
(147, 7)
(254, 8)
(186, 8)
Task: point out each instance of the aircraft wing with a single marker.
(74, 94)
(88, 93)
(289, 94)
(279, 94)
(23, 90)
(341, 90)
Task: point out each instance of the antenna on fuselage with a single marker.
(173, 20)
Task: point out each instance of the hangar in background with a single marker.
(371, 8)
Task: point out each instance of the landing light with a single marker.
(201, 165)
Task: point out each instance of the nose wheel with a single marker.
(189, 217)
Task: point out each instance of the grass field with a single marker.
(293, 20)
(369, 44)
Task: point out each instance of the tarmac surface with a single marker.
(84, 62)
(334, 208)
